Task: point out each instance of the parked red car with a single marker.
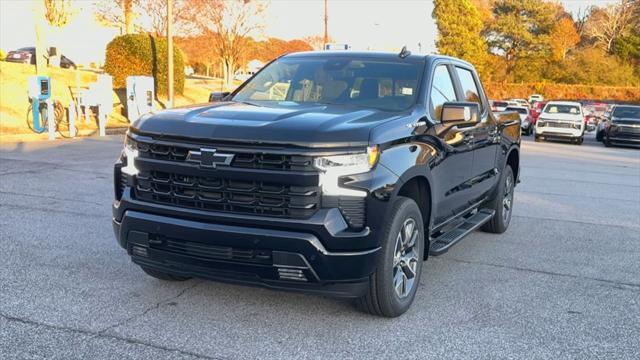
(536, 109)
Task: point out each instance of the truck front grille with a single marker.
(246, 160)
(227, 195)
(558, 124)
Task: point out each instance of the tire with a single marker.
(599, 135)
(502, 204)
(606, 141)
(163, 275)
(537, 138)
(579, 141)
(384, 298)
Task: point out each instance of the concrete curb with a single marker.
(13, 138)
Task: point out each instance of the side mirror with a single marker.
(460, 113)
(218, 96)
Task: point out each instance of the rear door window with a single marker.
(469, 86)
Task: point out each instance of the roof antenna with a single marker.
(404, 52)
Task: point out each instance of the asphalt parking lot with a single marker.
(562, 282)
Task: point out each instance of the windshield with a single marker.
(518, 109)
(632, 112)
(562, 109)
(386, 85)
(500, 103)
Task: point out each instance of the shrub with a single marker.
(141, 54)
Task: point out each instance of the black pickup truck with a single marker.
(326, 172)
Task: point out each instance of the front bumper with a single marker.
(555, 132)
(624, 134)
(274, 253)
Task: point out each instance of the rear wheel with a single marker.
(163, 275)
(393, 285)
(502, 204)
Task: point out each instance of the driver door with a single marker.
(453, 171)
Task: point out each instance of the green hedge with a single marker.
(142, 54)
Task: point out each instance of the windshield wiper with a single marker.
(247, 102)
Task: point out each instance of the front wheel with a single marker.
(502, 204)
(537, 138)
(579, 141)
(606, 141)
(393, 285)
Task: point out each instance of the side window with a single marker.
(442, 91)
(469, 86)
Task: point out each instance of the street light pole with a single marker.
(170, 52)
(326, 23)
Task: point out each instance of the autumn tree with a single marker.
(199, 52)
(230, 22)
(119, 13)
(563, 37)
(155, 20)
(59, 12)
(459, 26)
(593, 66)
(605, 25)
(316, 41)
(521, 27)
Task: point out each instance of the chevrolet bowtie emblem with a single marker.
(209, 158)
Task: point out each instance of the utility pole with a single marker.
(170, 52)
(41, 44)
(326, 30)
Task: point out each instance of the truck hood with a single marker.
(292, 124)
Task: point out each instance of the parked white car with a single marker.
(561, 119)
(535, 98)
(526, 123)
(520, 102)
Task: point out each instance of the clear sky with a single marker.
(363, 24)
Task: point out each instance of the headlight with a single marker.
(333, 167)
(130, 153)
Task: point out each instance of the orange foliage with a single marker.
(562, 91)
(563, 38)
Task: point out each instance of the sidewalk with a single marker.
(13, 138)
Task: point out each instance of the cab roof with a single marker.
(564, 103)
(386, 55)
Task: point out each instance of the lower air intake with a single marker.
(291, 274)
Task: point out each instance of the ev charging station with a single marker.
(98, 95)
(140, 95)
(39, 93)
